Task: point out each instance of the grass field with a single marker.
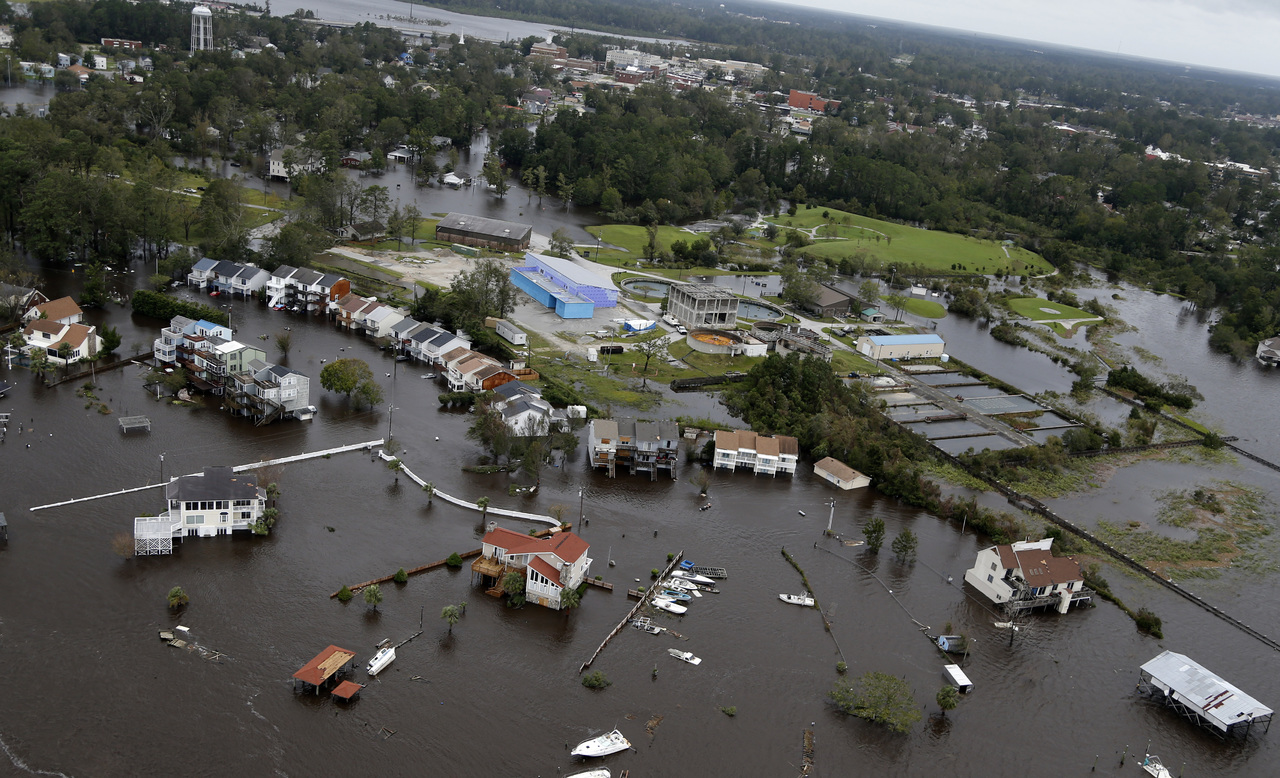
(926, 308)
(887, 243)
(1038, 309)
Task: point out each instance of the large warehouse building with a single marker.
(484, 232)
(573, 292)
(901, 346)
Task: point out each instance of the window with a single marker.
(222, 505)
(990, 578)
(195, 519)
(993, 565)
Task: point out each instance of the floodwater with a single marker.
(501, 695)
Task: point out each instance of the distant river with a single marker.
(429, 19)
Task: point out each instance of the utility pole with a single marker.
(831, 517)
(391, 409)
(162, 468)
(581, 514)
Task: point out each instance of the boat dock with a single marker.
(131, 423)
(631, 614)
(710, 572)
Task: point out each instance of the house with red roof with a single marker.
(1025, 575)
(550, 565)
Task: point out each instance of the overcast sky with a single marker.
(1241, 35)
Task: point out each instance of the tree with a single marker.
(904, 545)
(561, 243)
(177, 598)
(898, 301)
(483, 505)
(869, 292)
(344, 594)
(223, 220)
(494, 175)
(454, 560)
(373, 595)
(374, 203)
(367, 393)
(873, 531)
(401, 576)
(877, 697)
(484, 290)
(345, 375)
(649, 349)
(513, 585)
(430, 489)
(948, 698)
(570, 598)
(284, 341)
(451, 614)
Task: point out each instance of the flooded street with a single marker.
(502, 695)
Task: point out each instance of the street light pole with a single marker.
(228, 309)
(391, 409)
(162, 468)
(581, 513)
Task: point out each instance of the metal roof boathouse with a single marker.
(1201, 695)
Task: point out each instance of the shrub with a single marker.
(454, 560)
(177, 597)
(654, 572)
(879, 698)
(345, 594)
(842, 667)
(401, 576)
(729, 710)
(1149, 623)
(596, 680)
(670, 557)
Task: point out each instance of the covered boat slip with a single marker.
(1201, 695)
(325, 668)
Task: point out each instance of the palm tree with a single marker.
(177, 598)
(570, 598)
(273, 491)
(373, 595)
(451, 614)
(483, 505)
(430, 489)
(948, 698)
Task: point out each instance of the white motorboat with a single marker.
(680, 585)
(608, 743)
(693, 577)
(1153, 766)
(797, 599)
(599, 772)
(684, 656)
(669, 606)
(380, 660)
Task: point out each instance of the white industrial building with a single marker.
(901, 346)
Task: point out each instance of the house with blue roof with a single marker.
(901, 346)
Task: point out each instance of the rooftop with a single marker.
(483, 225)
(324, 665)
(61, 308)
(906, 340)
(703, 291)
(1219, 702)
(572, 271)
(215, 483)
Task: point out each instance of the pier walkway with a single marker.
(461, 503)
(237, 468)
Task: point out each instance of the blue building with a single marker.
(573, 292)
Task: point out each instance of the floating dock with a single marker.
(1201, 695)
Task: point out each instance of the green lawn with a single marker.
(926, 308)
(887, 243)
(631, 239)
(1038, 309)
(846, 362)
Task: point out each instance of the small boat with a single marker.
(380, 660)
(953, 644)
(1152, 764)
(679, 585)
(428, 375)
(698, 579)
(684, 656)
(802, 513)
(654, 629)
(797, 599)
(609, 743)
(707, 506)
(600, 772)
(669, 606)
(672, 594)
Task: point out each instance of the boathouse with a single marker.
(325, 668)
(1026, 575)
(1201, 695)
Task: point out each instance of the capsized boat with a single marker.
(603, 745)
(669, 606)
(599, 772)
(693, 577)
(797, 599)
(684, 656)
(381, 659)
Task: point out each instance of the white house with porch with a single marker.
(218, 501)
(550, 565)
(1025, 575)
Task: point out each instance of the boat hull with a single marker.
(380, 661)
(603, 745)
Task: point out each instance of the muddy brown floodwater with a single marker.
(89, 690)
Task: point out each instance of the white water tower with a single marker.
(201, 29)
